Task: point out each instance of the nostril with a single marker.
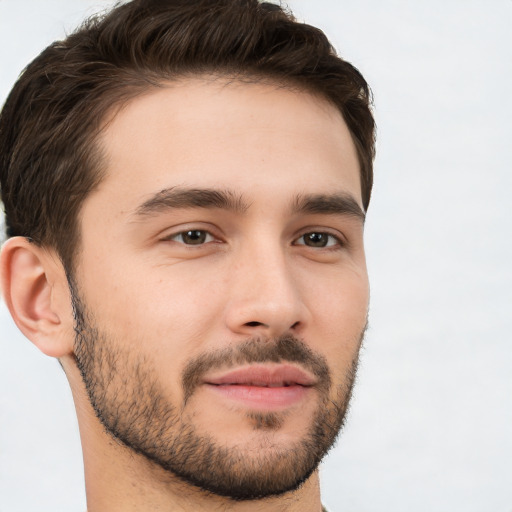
(261, 324)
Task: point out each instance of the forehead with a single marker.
(248, 137)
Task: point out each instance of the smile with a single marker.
(263, 387)
(263, 384)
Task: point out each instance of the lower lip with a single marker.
(261, 397)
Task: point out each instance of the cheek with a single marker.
(161, 322)
(162, 310)
(340, 299)
(339, 313)
(142, 298)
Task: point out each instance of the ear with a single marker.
(35, 290)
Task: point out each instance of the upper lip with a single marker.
(264, 376)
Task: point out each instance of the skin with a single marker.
(254, 276)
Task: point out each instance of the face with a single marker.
(221, 291)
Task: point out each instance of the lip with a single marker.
(264, 376)
(263, 387)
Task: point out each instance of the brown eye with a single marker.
(318, 239)
(192, 237)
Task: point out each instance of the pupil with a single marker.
(316, 239)
(194, 237)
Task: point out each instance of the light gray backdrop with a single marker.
(431, 421)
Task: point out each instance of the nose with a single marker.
(265, 296)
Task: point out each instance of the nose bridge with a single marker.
(265, 298)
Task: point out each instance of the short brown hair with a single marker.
(49, 161)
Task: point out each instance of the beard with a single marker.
(132, 405)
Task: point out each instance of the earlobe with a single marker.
(35, 291)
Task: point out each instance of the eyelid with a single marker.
(338, 243)
(337, 235)
(175, 237)
(171, 233)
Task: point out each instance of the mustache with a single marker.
(286, 348)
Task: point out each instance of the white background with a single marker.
(431, 421)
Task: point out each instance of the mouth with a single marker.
(263, 387)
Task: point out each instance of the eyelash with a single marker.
(203, 236)
(338, 243)
(203, 239)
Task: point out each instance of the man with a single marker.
(185, 185)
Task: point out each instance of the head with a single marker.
(200, 173)
(49, 127)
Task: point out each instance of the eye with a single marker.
(192, 237)
(318, 239)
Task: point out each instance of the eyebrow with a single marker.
(178, 197)
(328, 204)
(183, 198)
